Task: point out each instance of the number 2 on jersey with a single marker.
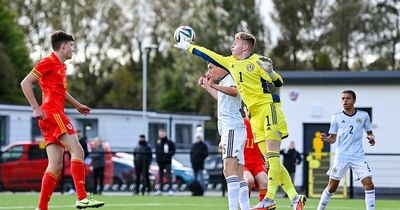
(351, 129)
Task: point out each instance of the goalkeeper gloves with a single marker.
(266, 64)
(182, 44)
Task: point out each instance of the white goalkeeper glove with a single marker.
(183, 44)
(266, 64)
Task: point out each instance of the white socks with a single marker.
(244, 200)
(233, 192)
(325, 197)
(370, 199)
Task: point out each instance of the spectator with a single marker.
(165, 149)
(198, 153)
(98, 163)
(291, 158)
(142, 160)
(82, 140)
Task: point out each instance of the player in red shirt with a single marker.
(255, 171)
(57, 130)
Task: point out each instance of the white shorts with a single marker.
(233, 142)
(360, 168)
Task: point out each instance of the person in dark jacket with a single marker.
(291, 158)
(98, 163)
(142, 160)
(83, 143)
(198, 153)
(165, 149)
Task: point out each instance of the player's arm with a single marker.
(210, 56)
(27, 88)
(371, 138)
(330, 139)
(204, 53)
(368, 127)
(204, 82)
(267, 72)
(83, 109)
(231, 91)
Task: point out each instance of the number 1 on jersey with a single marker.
(240, 76)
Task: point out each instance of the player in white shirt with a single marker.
(347, 128)
(232, 131)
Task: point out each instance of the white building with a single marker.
(310, 98)
(121, 128)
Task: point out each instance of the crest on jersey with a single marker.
(250, 67)
(69, 126)
(359, 120)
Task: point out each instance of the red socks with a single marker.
(49, 182)
(78, 174)
(261, 194)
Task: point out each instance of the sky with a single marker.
(266, 8)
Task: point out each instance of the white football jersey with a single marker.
(229, 116)
(349, 131)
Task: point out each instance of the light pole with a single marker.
(146, 48)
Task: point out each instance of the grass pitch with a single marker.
(122, 202)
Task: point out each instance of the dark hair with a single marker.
(60, 37)
(142, 136)
(352, 93)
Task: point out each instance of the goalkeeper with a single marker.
(253, 74)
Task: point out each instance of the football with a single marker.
(184, 32)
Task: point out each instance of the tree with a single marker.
(14, 57)
(345, 35)
(384, 28)
(294, 18)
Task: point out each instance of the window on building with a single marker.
(89, 127)
(183, 136)
(35, 130)
(366, 109)
(153, 132)
(3, 131)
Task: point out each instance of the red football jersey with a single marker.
(252, 153)
(52, 77)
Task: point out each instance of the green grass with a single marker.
(28, 201)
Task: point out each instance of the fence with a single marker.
(22, 170)
(385, 169)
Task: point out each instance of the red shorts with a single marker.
(255, 168)
(54, 126)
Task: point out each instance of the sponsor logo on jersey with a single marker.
(343, 121)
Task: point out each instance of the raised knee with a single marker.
(369, 186)
(332, 188)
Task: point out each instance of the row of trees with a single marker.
(315, 35)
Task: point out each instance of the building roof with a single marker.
(340, 77)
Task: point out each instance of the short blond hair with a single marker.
(249, 38)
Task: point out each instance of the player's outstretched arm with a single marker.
(27, 88)
(83, 109)
(330, 139)
(210, 56)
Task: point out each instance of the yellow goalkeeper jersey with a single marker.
(251, 80)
